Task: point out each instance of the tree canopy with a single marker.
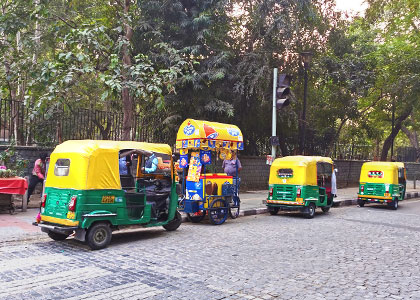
(164, 61)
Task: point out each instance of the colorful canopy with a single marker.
(196, 134)
(92, 164)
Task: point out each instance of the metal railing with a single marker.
(22, 124)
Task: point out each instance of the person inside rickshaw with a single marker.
(155, 181)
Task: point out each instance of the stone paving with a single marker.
(349, 253)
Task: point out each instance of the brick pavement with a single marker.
(352, 253)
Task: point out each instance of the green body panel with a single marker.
(378, 190)
(89, 204)
(287, 192)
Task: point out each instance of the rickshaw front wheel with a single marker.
(325, 209)
(310, 211)
(175, 223)
(57, 236)
(273, 210)
(99, 236)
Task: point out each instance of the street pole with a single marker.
(274, 118)
(393, 120)
(303, 120)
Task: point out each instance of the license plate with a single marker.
(71, 215)
(108, 199)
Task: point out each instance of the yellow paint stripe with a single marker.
(375, 197)
(59, 221)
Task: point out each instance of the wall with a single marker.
(255, 171)
(30, 153)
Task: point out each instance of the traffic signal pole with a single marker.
(274, 118)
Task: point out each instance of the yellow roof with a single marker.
(94, 164)
(303, 167)
(389, 172)
(197, 134)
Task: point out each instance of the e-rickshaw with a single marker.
(89, 193)
(382, 182)
(300, 183)
(215, 193)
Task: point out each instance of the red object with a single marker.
(15, 185)
(362, 188)
(270, 193)
(72, 203)
(298, 193)
(44, 200)
(215, 176)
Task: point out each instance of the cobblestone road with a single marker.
(350, 253)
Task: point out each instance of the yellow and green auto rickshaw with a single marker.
(95, 187)
(213, 193)
(382, 182)
(300, 183)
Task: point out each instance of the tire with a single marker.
(361, 203)
(99, 236)
(174, 223)
(197, 217)
(310, 211)
(325, 209)
(273, 210)
(234, 211)
(57, 236)
(393, 205)
(218, 211)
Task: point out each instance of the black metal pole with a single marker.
(303, 121)
(392, 135)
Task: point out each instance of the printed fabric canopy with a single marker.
(196, 134)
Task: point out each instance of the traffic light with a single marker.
(283, 91)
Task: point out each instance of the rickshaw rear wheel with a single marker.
(196, 217)
(393, 205)
(273, 210)
(218, 211)
(361, 203)
(325, 209)
(57, 236)
(174, 223)
(99, 236)
(310, 211)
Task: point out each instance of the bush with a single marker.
(15, 165)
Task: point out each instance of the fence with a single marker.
(19, 122)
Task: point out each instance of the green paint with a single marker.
(288, 192)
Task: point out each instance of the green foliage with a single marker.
(15, 165)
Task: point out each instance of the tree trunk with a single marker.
(414, 140)
(394, 132)
(127, 99)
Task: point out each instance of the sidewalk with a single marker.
(19, 226)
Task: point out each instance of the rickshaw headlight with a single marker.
(72, 203)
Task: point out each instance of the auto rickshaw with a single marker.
(382, 182)
(215, 193)
(300, 183)
(88, 192)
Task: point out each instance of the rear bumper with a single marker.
(282, 202)
(54, 220)
(56, 228)
(374, 198)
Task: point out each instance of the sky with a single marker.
(351, 5)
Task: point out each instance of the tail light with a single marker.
(270, 193)
(44, 200)
(362, 188)
(298, 193)
(387, 188)
(72, 203)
